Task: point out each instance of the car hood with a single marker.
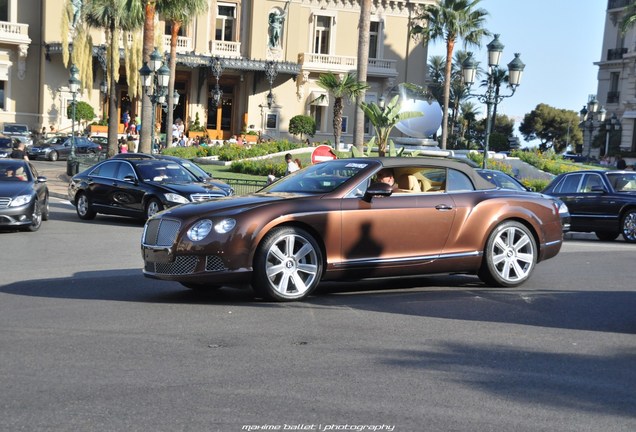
(231, 205)
(15, 188)
(188, 188)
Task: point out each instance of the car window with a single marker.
(317, 179)
(591, 181)
(569, 184)
(623, 182)
(458, 182)
(6, 143)
(124, 171)
(107, 170)
(160, 171)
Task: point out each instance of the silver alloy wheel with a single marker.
(628, 227)
(53, 156)
(511, 254)
(36, 217)
(153, 208)
(82, 205)
(291, 266)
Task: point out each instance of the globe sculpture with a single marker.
(422, 127)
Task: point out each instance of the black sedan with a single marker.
(59, 147)
(24, 196)
(135, 188)
(602, 202)
(196, 170)
(7, 144)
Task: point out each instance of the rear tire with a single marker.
(83, 207)
(628, 226)
(510, 255)
(53, 156)
(287, 265)
(606, 235)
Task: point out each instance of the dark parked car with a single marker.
(602, 202)
(505, 181)
(59, 148)
(7, 144)
(21, 132)
(136, 188)
(195, 169)
(335, 221)
(24, 196)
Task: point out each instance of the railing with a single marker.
(615, 4)
(616, 54)
(225, 48)
(184, 44)
(14, 32)
(334, 63)
(243, 187)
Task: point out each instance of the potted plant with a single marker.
(196, 128)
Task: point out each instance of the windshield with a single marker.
(318, 179)
(54, 141)
(160, 171)
(623, 182)
(195, 169)
(5, 143)
(14, 171)
(16, 129)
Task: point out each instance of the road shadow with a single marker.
(454, 297)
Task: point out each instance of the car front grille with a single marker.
(161, 232)
(4, 202)
(185, 264)
(203, 197)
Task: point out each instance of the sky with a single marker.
(559, 41)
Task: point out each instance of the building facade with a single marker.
(616, 85)
(229, 60)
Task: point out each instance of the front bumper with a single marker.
(16, 216)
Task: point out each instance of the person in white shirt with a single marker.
(292, 165)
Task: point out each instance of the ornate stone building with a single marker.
(228, 61)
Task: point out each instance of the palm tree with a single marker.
(449, 21)
(363, 63)
(147, 122)
(113, 16)
(347, 87)
(469, 113)
(629, 19)
(498, 76)
(384, 119)
(178, 13)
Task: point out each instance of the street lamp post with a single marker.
(491, 98)
(591, 118)
(610, 124)
(74, 84)
(154, 80)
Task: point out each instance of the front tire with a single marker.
(287, 265)
(153, 207)
(53, 156)
(36, 217)
(46, 209)
(510, 255)
(83, 208)
(628, 226)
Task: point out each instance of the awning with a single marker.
(629, 114)
(319, 98)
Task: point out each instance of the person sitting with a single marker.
(386, 175)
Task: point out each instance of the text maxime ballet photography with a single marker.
(318, 427)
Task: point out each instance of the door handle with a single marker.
(443, 207)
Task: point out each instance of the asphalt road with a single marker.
(88, 343)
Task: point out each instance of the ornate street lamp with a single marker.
(591, 119)
(155, 76)
(610, 124)
(491, 98)
(74, 85)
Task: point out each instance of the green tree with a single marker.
(502, 128)
(629, 17)
(178, 13)
(384, 119)
(302, 125)
(84, 112)
(450, 20)
(349, 87)
(151, 8)
(113, 16)
(555, 128)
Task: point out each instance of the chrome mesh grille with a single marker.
(182, 265)
(214, 263)
(161, 232)
(4, 202)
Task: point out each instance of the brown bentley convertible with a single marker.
(336, 221)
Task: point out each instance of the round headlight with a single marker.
(225, 226)
(200, 230)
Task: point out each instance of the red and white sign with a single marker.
(323, 153)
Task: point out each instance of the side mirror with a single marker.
(130, 179)
(377, 189)
(41, 179)
(598, 188)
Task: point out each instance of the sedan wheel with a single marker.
(510, 255)
(53, 156)
(628, 226)
(287, 265)
(153, 207)
(45, 209)
(606, 235)
(83, 207)
(36, 217)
